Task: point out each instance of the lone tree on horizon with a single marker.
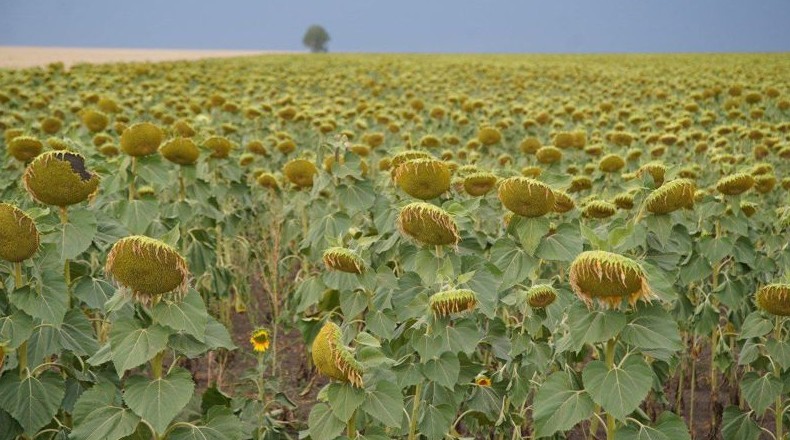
(316, 38)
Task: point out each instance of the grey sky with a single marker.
(405, 25)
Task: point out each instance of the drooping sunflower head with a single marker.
(563, 202)
(344, 260)
(267, 180)
(25, 148)
(181, 151)
(333, 359)
(748, 208)
(19, 237)
(599, 209)
(608, 278)
(220, 146)
(624, 201)
(774, 299)
(541, 296)
(260, 340)
(148, 268)
(526, 197)
(611, 163)
(428, 224)
(480, 183)
(452, 302)
(424, 179)
(735, 184)
(405, 156)
(763, 183)
(60, 178)
(548, 155)
(489, 135)
(94, 120)
(141, 139)
(300, 172)
(656, 170)
(674, 195)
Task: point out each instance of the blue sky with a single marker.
(405, 25)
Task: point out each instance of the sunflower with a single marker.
(483, 381)
(260, 340)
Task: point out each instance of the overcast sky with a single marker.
(405, 25)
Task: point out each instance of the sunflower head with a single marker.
(148, 268)
(60, 178)
(489, 135)
(267, 180)
(674, 195)
(479, 184)
(181, 151)
(624, 201)
(300, 172)
(548, 155)
(563, 202)
(260, 340)
(774, 299)
(452, 302)
(25, 148)
(482, 380)
(220, 146)
(735, 184)
(526, 197)
(428, 224)
(343, 260)
(333, 359)
(541, 296)
(423, 179)
(94, 120)
(599, 209)
(19, 237)
(611, 163)
(141, 139)
(608, 278)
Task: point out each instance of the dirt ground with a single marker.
(24, 56)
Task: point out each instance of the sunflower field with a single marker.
(368, 247)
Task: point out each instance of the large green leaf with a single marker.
(435, 420)
(738, 425)
(137, 215)
(32, 401)
(780, 352)
(133, 345)
(76, 235)
(322, 423)
(385, 403)
(188, 315)
(760, 391)
(106, 423)
(619, 390)
(158, 401)
(514, 262)
(755, 325)
(529, 231)
(444, 370)
(669, 426)
(564, 245)
(591, 326)
(15, 329)
(344, 400)
(49, 305)
(220, 424)
(652, 328)
(560, 404)
(93, 291)
(76, 334)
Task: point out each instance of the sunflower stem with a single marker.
(133, 171)
(610, 422)
(351, 426)
(21, 358)
(693, 383)
(778, 409)
(415, 409)
(156, 364)
(182, 190)
(64, 220)
(17, 275)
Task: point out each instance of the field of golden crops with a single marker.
(397, 246)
